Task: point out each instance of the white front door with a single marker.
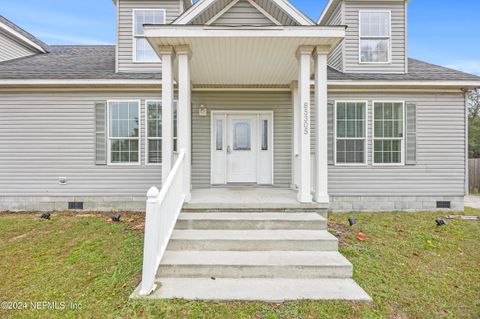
(242, 147)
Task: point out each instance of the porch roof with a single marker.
(243, 55)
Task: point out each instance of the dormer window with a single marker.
(142, 50)
(375, 35)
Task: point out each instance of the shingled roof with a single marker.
(98, 62)
(21, 31)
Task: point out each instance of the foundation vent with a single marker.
(75, 205)
(443, 204)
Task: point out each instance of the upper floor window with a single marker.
(143, 51)
(375, 35)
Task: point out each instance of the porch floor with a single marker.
(259, 198)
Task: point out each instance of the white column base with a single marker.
(322, 198)
(304, 198)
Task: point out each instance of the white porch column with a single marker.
(296, 134)
(184, 113)
(167, 55)
(304, 54)
(321, 120)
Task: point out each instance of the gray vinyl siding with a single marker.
(398, 34)
(440, 168)
(125, 31)
(279, 102)
(44, 136)
(10, 49)
(280, 15)
(335, 58)
(243, 13)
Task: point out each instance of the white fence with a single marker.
(163, 208)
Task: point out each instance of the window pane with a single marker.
(341, 111)
(123, 119)
(144, 51)
(241, 135)
(264, 135)
(341, 129)
(155, 151)
(374, 50)
(375, 24)
(154, 119)
(142, 17)
(219, 135)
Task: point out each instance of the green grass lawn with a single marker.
(411, 268)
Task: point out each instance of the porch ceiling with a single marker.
(245, 55)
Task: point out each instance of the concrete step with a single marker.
(252, 220)
(253, 240)
(249, 264)
(257, 289)
(190, 208)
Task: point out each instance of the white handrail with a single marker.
(163, 208)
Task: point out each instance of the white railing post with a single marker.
(150, 249)
(163, 208)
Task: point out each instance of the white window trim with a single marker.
(157, 138)
(360, 38)
(109, 155)
(402, 144)
(134, 37)
(365, 159)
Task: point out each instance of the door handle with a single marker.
(229, 150)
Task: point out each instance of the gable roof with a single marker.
(215, 6)
(23, 36)
(70, 62)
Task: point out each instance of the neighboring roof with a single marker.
(98, 62)
(69, 62)
(23, 33)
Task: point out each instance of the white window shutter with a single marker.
(411, 134)
(101, 133)
(331, 131)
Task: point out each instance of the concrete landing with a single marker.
(248, 199)
(257, 289)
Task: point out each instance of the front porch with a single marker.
(253, 59)
(249, 198)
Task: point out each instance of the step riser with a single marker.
(250, 224)
(234, 271)
(252, 245)
(321, 212)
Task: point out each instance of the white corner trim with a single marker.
(265, 13)
(193, 11)
(324, 12)
(21, 37)
(293, 12)
(221, 12)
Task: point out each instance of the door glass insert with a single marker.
(219, 135)
(264, 135)
(242, 135)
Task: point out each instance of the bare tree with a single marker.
(474, 104)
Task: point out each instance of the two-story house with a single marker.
(243, 105)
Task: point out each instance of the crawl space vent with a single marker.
(443, 204)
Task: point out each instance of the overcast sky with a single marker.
(440, 31)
